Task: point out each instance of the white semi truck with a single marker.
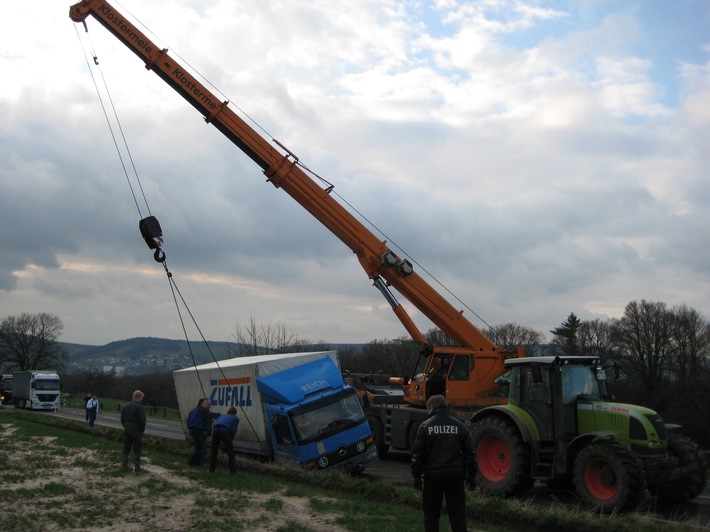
(36, 389)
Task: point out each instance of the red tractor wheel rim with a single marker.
(493, 458)
(601, 479)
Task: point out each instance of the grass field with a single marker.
(57, 475)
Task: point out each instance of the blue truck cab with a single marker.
(317, 422)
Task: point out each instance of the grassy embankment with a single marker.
(184, 498)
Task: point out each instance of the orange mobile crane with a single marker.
(472, 367)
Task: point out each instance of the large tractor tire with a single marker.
(607, 477)
(687, 473)
(502, 457)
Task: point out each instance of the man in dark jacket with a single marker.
(199, 422)
(223, 431)
(443, 458)
(133, 421)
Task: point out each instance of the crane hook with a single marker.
(159, 255)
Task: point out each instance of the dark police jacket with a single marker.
(443, 446)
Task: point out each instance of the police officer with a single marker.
(443, 458)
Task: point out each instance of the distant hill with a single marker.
(137, 356)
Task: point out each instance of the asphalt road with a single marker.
(395, 467)
(154, 426)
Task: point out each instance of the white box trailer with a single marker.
(294, 407)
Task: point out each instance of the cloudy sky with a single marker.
(536, 157)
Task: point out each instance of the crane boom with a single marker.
(283, 170)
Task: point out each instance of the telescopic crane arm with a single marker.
(282, 170)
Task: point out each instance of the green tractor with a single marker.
(559, 427)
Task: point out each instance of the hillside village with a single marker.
(140, 356)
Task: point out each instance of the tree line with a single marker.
(660, 356)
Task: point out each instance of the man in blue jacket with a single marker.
(223, 431)
(443, 458)
(199, 421)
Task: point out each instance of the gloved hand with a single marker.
(417, 483)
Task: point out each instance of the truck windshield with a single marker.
(327, 416)
(46, 384)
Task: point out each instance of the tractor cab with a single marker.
(550, 389)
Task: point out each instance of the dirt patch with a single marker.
(61, 488)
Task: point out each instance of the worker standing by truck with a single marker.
(199, 422)
(223, 432)
(443, 458)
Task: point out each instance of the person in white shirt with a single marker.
(92, 408)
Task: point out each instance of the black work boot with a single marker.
(124, 463)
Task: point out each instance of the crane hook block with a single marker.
(151, 232)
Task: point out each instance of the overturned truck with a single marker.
(293, 408)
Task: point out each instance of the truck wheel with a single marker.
(688, 473)
(502, 457)
(608, 477)
(379, 434)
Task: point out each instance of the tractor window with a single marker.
(578, 381)
(524, 390)
(534, 396)
(536, 392)
(514, 386)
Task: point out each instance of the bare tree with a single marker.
(265, 338)
(390, 357)
(29, 341)
(643, 336)
(436, 336)
(595, 339)
(691, 339)
(510, 336)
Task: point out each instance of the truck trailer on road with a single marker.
(292, 407)
(36, 389)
